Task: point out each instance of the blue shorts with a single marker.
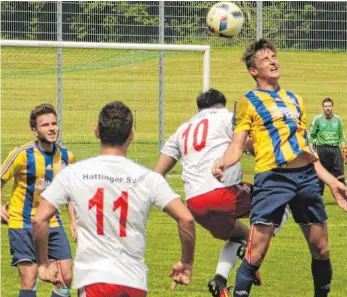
(297, 187)
(22, 245)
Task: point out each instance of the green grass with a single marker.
(103, 76)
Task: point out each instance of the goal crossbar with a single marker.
(124, 46)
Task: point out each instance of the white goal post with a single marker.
(205, 49)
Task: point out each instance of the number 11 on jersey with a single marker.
(121, 202)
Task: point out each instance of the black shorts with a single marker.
(331, 159)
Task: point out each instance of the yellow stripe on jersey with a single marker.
(33, 170)
(277, 121)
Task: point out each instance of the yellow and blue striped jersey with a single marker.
(277, 124)
(33, 170)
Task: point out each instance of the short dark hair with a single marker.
(39, 110)
(327, 99)
(115, 123)
(210, 98)
(258, 45)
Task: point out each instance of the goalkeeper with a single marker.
(326, 134)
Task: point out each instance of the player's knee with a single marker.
(320, 251)
(29, 281)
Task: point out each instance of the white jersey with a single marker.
(199, 143)
(112, 197)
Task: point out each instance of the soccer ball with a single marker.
(225, 19)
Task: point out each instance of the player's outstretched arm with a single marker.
(232, 155)
(338, 189)
(164, 164)
(181, 272)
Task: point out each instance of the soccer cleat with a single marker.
(217, 287)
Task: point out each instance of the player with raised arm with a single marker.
(285, 174)
(215, 205)
(112, 196)
(33, 167)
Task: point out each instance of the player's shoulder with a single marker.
(317, 118)
(338, 117)
(19, 150)
(64, 149)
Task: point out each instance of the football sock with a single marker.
(228, 258)
(244, 279)
(322, 274)
(284, 220)
(27, 293)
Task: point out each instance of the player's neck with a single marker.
(113, 150)
(268, 85)
(45, 146)
(328, 116)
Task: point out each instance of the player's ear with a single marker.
(131, 135)
(96, 131)
(252, 71)
(34, 131)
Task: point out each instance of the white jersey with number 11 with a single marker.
(112, 197)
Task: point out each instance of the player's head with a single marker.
(43, 122)
(327, 106)
(261, 60)
(115, 124)
(211, 98)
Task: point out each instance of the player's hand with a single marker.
(50, 273)
(344, 154)
(339, 191)
(4, 213)
(218, 169)
(181, 273)
(73, 230)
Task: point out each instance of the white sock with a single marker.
(284, 220)
(227, 258)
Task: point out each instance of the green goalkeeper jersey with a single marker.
(326, 131)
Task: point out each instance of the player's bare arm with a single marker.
(164, 164)
(338, 189)
(73, 223)
(41, 229)
(232, 155)
(4, 213)
(181, 272)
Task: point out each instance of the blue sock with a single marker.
(244, 279)
(322, 274)
(27, 293)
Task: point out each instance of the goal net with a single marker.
(80, 78)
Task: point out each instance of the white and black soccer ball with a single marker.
(225, 19)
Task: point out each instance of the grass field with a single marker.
(92, 78)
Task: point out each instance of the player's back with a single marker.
(113, 197)
(199, 143)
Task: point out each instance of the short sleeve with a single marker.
(57, 193)
(13, 164)
(162, 192)
(171, 147)
(71, 157)
(243, 115)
